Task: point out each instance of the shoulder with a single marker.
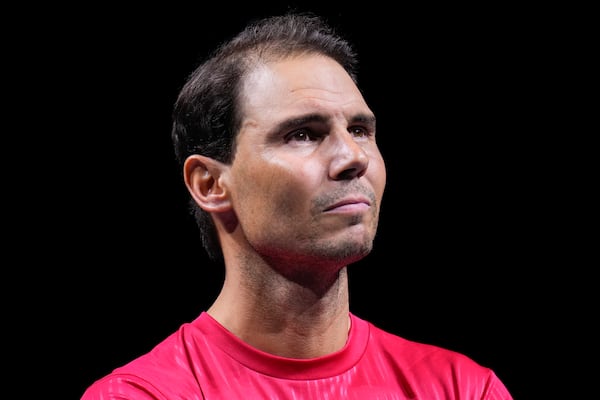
(416, 353)
(122, 386)
(152, 375)
(445, 370)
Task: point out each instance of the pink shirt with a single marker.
(202, 360)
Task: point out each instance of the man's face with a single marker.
(307, 177)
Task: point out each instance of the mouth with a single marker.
(350, 204)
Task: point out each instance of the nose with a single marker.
(349, 160)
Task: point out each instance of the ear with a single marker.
(205, 180)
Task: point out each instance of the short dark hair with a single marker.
(207, 116)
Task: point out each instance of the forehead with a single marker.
(299, 84)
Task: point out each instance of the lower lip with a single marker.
(350, 208)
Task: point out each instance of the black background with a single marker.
(461, 258)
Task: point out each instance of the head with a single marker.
(218, 103)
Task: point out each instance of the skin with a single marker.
(299, 202)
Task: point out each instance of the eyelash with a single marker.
(301, 135)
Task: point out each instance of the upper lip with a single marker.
(349, 200)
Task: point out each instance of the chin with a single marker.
(354, 252)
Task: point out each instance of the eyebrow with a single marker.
(297, 122)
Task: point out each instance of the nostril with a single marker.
(351, 173)
(346, 174)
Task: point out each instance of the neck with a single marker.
(283, 317)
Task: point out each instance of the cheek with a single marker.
(271, 189)
(276, 198)
(377, 174)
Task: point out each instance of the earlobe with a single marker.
(204, 179)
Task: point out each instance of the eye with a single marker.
(302, 135)
(359, 131)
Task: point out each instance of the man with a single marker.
(278, 152)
